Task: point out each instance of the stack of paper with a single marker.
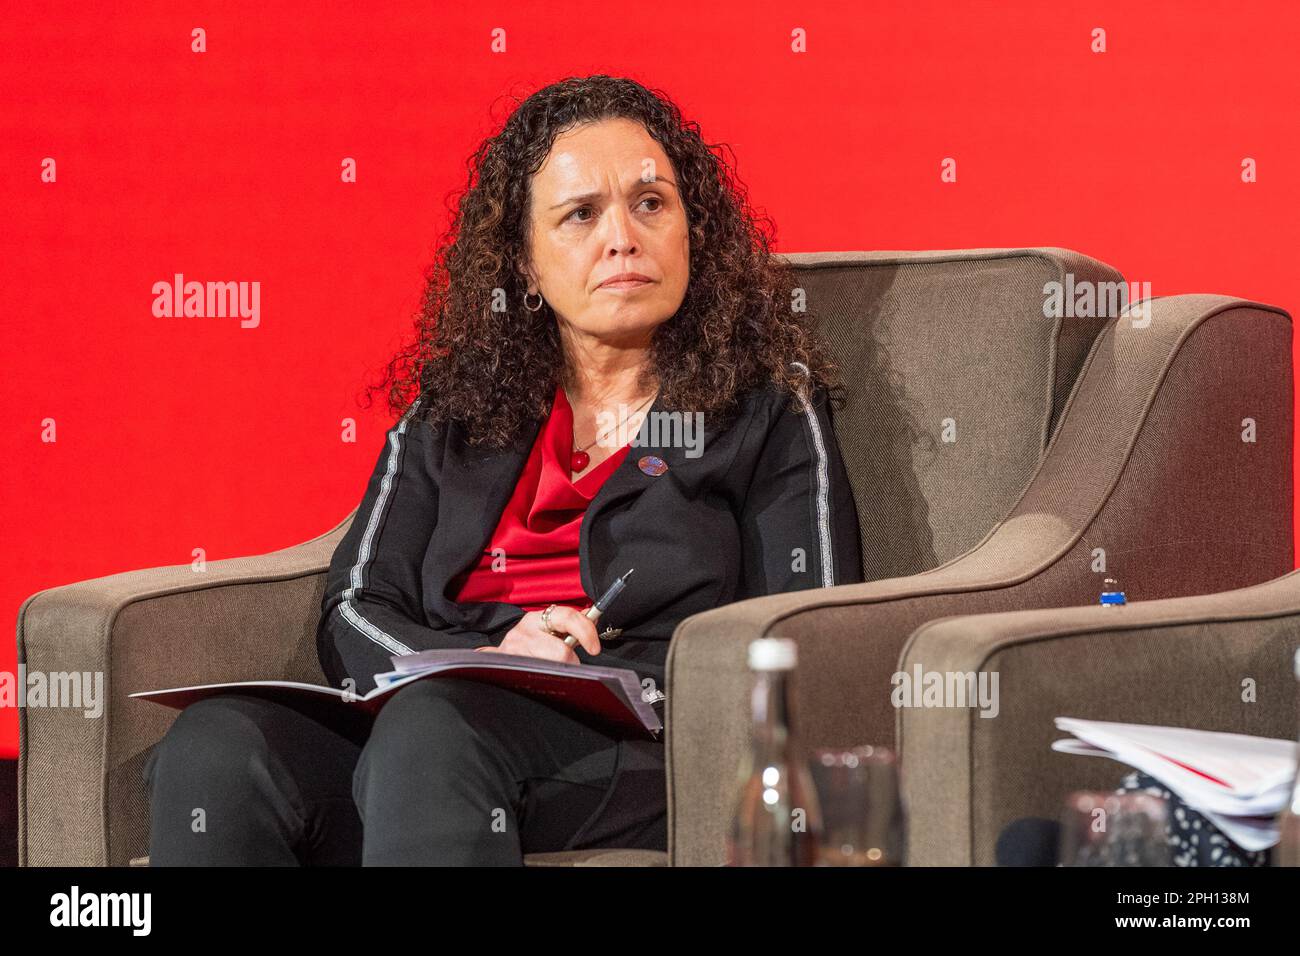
(1239, 783)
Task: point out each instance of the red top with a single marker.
(538, 530)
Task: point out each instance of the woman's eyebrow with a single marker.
(588, 197)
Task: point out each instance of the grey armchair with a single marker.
(1146, 478)
(933, 344)
(1181, 662)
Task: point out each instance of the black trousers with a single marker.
(451, 773)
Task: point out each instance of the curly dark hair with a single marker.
(495, 370)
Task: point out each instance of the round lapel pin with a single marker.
(652, 465)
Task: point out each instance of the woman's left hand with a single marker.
(528, 638)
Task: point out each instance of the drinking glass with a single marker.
(1103, 828)
(862, 812)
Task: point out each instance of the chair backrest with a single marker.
(957, 364)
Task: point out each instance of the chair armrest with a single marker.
(1146, 478)
(1212, 662)
(238, 619)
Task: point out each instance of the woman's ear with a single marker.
(526, 271)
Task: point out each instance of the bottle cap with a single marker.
(772, 654)
(1111, 593)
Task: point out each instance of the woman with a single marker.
(609, 374)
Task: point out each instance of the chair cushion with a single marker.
(955, 375)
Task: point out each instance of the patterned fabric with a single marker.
(1193, 840)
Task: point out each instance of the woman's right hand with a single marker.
(528, 639)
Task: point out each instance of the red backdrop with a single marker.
(176, 434)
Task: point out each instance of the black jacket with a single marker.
(763, 507)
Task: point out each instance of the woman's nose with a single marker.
(618, 231)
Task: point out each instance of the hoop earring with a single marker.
(532, 308)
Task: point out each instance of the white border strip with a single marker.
(823, 487)
(348, 607)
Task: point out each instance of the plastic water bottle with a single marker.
(777, 819)
(1111, 595)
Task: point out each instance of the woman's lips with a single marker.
(626, 284)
